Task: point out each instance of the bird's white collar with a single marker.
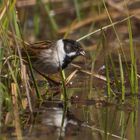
(61, 54)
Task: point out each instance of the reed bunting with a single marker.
(49, 57)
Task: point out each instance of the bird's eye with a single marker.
(71, 46)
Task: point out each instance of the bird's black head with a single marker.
(72, 49)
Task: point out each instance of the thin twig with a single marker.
(105, 27)
(101, 77)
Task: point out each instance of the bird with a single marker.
(49, 57)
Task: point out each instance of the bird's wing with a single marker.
(33, 50)
(42, 45)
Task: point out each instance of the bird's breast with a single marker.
(49, 61)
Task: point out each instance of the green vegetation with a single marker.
(106, 33)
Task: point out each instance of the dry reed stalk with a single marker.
(101, 77)
(71, 76)
(3, 11)
(121, 7)
(89, 20)
(98, 18)
(16, 111)
(24, 77)
(23, 3)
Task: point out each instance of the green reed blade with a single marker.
(122, 78)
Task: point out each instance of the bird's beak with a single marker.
(82, 53)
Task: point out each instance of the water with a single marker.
(97, 118)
